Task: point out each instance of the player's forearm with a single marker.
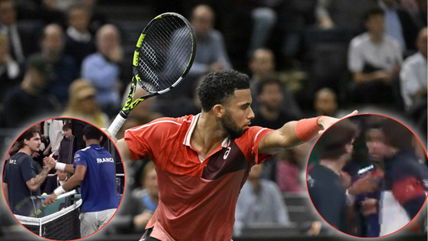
(123, 149)
(71, 183)
(34, 183)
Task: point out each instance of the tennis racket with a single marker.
(164, 54)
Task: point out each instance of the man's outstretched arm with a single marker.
(295, 132)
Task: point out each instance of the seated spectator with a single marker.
(413, 77)
(374, 60)
(211, 54)
(288, 172)
(262, 65)
(399, 24)
(9, 68)
(21, 39)
(325, 103)
(82, 104)
(79, 41)
(140, 205)
(342, 15)
(260, 202)
(268, 112)
(29, 101)
(102, 69)
(64, 66)
(52, 182)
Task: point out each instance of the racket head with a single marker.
(164, 53)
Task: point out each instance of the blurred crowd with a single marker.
(304, 58)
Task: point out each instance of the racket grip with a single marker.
(116, 125)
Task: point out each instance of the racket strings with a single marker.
(165, 53)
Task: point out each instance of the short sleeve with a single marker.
(80, 159)
(27, 169)
(355, 59)
(143, 140)
(249, 143)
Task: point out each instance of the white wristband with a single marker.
(60, 166)
(59, 190)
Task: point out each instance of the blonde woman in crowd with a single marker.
(82, 104)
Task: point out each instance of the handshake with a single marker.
(49, 162)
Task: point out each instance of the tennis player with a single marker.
(95, 171)
(20, 180)
(203, 160)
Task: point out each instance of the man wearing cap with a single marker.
(29, 100)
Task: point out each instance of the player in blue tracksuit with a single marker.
(94, 170)
(405, 180)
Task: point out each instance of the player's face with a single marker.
(34, 143)
(376, 145)
(238, 113)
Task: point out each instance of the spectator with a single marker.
(29, 100)
(288, 171)
(324, 184)
(211, 54)
(79, 41)
(325, 102)
(21, 39)
(53, 131)
(413, 76)
(374, 60)
(262, 65)
(399, 24)
(343, 15)
(20, 180)
(52, 182)
(141, 204)
(65, 152)
(102, 68)
(64, 66)
(9, 68)
(270, 97)
(82, 104)
(260, 202)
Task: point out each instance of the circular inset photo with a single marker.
(63, 179)
(367, 175)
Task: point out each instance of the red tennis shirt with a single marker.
(197, 195)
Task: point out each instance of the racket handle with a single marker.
(116, 125)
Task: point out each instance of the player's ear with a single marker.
(218, 110)
(100, 139)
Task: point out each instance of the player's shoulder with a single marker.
(82, 151)
(164, 123)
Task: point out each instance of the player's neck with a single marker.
(208, 134)
(334, 165)
(92, 142)
(26, 150)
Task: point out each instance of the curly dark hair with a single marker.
(332, 143)
(92, 132)
(216, 87)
